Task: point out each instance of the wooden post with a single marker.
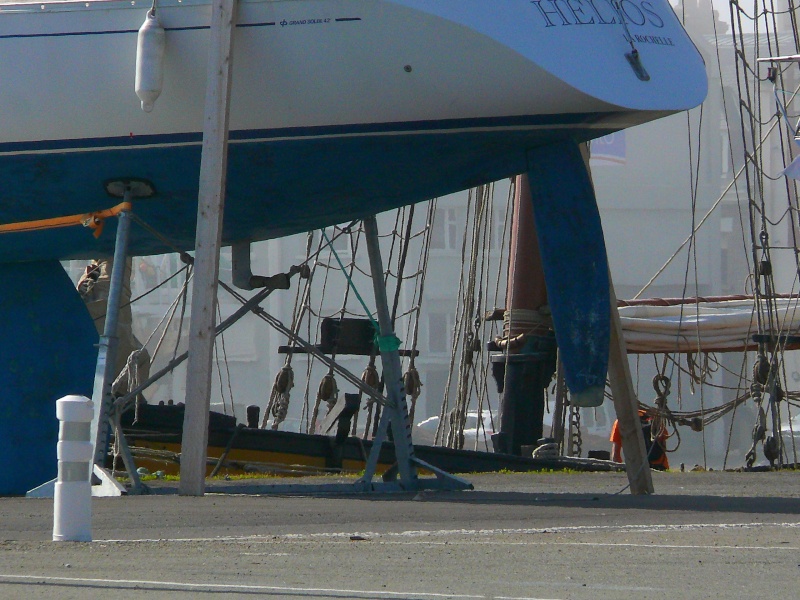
(210, 206)
(626, 406)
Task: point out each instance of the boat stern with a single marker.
(631, 55)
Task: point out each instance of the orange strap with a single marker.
(92, 220)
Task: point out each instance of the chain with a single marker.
(577, 438)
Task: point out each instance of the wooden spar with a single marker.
(692, 330)
(697, 300)
(707, 324)
(626, 405)
(211, 202)
(496, 314)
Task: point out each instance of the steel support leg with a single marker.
(394, 415)
(107, 355)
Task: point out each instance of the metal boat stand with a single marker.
(394, 414)
(103, 482)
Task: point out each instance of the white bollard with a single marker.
(72, 508)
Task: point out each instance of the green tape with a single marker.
(388, 343)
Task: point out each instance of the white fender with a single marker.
(150, 49)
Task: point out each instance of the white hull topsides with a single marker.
(68, 67)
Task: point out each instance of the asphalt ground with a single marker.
(553, 536)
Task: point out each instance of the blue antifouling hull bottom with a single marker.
(47, 351)
(575, 266)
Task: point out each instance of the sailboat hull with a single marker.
(291, 185)
(339, 108)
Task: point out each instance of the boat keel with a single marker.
(47, 351)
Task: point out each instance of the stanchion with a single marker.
(72, 508)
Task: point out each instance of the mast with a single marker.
(524, 360)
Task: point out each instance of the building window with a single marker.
(499, 228)
(434, 384)
(725, 154)
(340, 240)
(446, 232)
(440, 332)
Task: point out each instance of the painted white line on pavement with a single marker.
(179, 585)
(659, 546)
(464, 532)
(654, 545)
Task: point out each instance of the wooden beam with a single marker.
(210, 207)
(626, 405)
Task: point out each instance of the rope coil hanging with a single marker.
(412, 385)
(371, 378)
(327, 392)
(662, 417)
